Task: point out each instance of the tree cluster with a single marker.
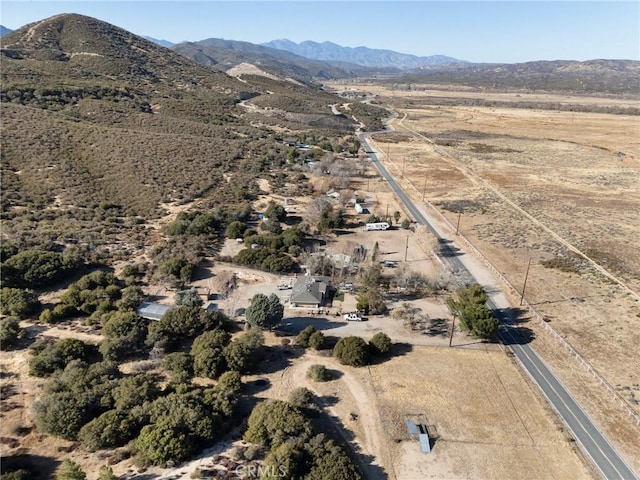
(97, 294)
(34, 268)
(470, 306)
(180, 324)
(274, 250)
(310, 337)
(18, 302)
(49, 356)
(294, 445)
(354, 351)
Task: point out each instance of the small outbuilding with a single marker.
(152, 311)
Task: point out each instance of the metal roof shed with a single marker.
(424, 443)
(152, 311)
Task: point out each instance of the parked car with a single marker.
(352, 317)
(284, 287)
(389, 263)
(346, 286)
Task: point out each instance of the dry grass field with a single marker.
(523, 181)
(494, 427)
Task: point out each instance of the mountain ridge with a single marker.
(364, 56)
(224, 54)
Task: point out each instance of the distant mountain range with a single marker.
(367, 57)
(225, 54)
(4, 31)
(162, 43)
(310, 62)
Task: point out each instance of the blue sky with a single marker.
(502, 31)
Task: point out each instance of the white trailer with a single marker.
(377, 226)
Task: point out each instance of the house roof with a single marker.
(152, 311)
(309, 289)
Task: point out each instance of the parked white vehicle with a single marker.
(352, 317)
(377, 226)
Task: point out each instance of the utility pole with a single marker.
(403, 162)
(526, 275)
(406, 249)
(458, 225)
(387, 214)
(453, 325)
(424, 188)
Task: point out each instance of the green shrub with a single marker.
(70, 470)
(380, 343)
(318, 373)
(305, 334)
(301, 397)
(352, 351)
(317, 340)
(10, 332)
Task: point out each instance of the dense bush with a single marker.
(180, 364)
(275, 212)
(18, 303)
(124, 335)
(70, 470)
(317, 340)
(75, 396)
(207, 353)
(319, 373)
(111, 429)
(10, 332)
(194, 223)
(51, 356)
(180, 423)
(352, 351)
(134, 390)
(238, 357)
(235, 229)
(61, 414)
(303, 337)
(274, 422)
(380, 344)
(265, 259)
(98, 291)
(295, 451)
(264, 312)
(184, 323)
(188, 298)
(36, 268)
(301, 397)
(163, 442)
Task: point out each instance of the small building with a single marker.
(152, 311)
(309, 291)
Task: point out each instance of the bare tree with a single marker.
(317, 207)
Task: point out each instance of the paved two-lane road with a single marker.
(593, 442)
